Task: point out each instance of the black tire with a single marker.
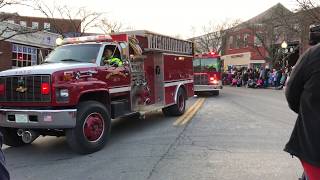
(179, 108)
(11, 138)
(76, 137)
(166, 111)
(304, 176)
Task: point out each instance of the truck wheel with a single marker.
(11, 138)
(92, 128)
(179, 108)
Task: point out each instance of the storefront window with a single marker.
(23, 56)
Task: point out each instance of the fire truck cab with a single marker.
(76, 91)
(207, 73)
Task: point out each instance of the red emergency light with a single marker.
(45, 88)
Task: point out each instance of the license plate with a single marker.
(21, 118)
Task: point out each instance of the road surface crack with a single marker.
(153, 170)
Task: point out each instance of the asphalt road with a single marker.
(238, 135)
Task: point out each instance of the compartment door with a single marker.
(159, 79)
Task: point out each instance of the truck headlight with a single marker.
(62, 95)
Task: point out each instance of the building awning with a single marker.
(257, 61)
(40, 39)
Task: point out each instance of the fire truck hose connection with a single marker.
(27, 136)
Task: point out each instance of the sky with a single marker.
(171, 17)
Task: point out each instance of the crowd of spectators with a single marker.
(256, 78)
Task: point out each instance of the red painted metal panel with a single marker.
(190, 90)
(120, 37)
(150, 75)
(169, 94)
(177, 68)
(143, 41)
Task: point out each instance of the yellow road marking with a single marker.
(190, 116)
(187, 116)
(181, 118)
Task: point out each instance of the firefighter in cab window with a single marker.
(111, 56)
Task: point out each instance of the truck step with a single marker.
(120, 108)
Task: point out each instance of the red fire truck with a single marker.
(207, 73)
(76, 93)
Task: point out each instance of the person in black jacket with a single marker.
(4, 174)
(303, 96)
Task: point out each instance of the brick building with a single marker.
(64, 27)
(249, 44)
(24, 49)
(30, 48)
(257, 42)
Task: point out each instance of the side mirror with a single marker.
(126, 63)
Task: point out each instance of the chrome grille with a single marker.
(32, 93)
(201, 79)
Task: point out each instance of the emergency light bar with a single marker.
(211, 54)
(99, 38)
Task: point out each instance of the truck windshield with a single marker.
(74, 53)
(207, 65)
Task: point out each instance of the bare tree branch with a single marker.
(214, 36)
(107, 26)
(80, 19)
(310, 8)
(271, 31)
(7, 30)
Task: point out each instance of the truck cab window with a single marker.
(111, 56)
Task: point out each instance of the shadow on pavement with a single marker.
(57, 147)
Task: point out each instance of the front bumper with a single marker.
(205, 88)
(41, 119)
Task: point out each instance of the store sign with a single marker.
(164, 43)
(27, 51)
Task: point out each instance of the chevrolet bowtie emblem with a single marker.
(21, 85)
(21, 89)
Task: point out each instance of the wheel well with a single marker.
(100, 96)
(183, 87)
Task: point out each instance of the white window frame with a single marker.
(35, 25)
(238, 41)
(257, 41)
(46, 26)
(231, 45)
(10, 21)
(246, 40)
(23, 23)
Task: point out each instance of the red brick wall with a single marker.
(6, 56)
(63, 24)
(256, 53)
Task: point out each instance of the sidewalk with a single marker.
(272, 88)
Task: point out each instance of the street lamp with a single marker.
(284, 45)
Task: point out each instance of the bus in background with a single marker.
(207, 73)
